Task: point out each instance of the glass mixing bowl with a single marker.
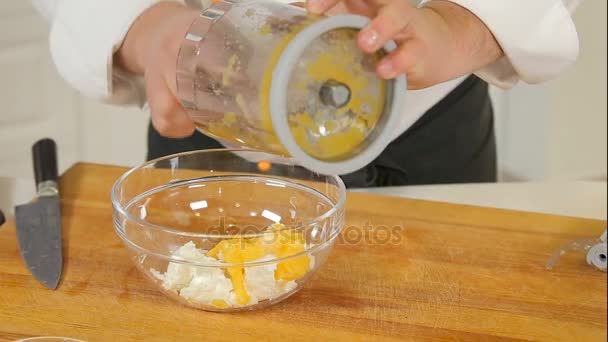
(227, 229)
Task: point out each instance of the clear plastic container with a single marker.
(219, 232)
(269, 76)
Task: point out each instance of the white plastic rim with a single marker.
(278, 99)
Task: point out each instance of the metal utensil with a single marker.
(39, 223)
(594, 249)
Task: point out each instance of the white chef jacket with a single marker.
(538, 38)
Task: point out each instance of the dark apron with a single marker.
(453, 142)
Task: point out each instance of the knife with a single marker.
(39, 222)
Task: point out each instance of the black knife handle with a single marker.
(44, 153)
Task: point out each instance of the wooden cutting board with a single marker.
(448, 272)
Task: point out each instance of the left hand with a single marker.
(436, 43)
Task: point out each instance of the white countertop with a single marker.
(573, 198)
(579, 199)
(15, 191)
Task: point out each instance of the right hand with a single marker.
(438, 42)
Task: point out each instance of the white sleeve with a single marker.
(538, 38)
(84, 36)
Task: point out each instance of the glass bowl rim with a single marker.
(117, 206)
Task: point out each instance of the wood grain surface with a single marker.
(447, 272)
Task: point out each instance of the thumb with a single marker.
(168, 116)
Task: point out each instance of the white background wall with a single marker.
(553, 131)
(558, 130)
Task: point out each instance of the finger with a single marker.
(168, 116)
(173, 123)
(320, 6)
(174, 126)
(360, 7)
(405, 60)
(390, 21)
(298, 4)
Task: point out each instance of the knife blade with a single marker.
(39, 222)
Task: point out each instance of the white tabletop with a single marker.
(574, 198)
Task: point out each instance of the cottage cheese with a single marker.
(216, 286)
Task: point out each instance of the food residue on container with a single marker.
(338, 132)
(345, 128)
(238, 285)
(230, 70)
(323, 132)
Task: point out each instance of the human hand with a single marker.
(150, 49)
(436, 43)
